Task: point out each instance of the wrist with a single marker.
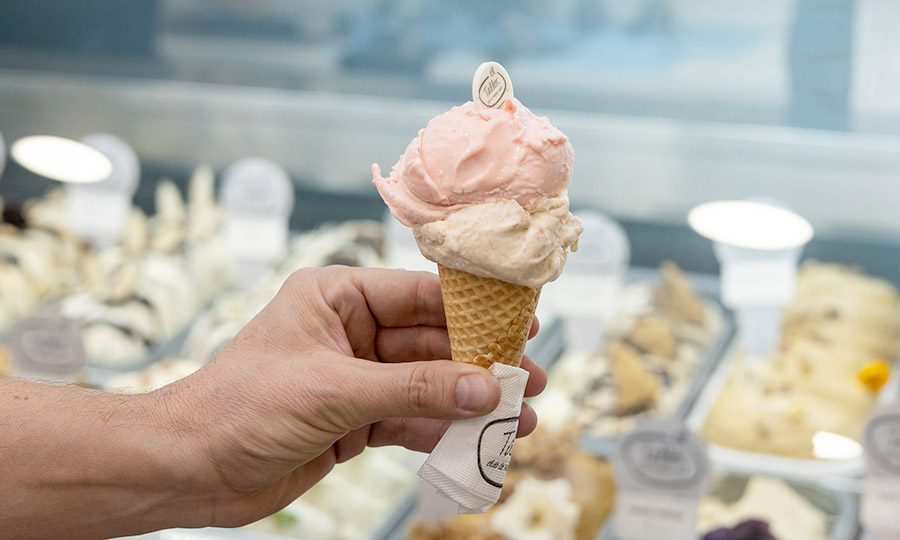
(174, 442)
(87, 464)
(142, 468)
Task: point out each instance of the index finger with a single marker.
(399, 298)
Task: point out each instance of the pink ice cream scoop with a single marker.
(469, 156)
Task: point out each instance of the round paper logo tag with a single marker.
(882, 442)
(491, 86)
(47, 344)
(662, 456)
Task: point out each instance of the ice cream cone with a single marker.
(488, 319)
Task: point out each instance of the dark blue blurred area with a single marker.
(820, 57)
(90, 27)
(633, 54)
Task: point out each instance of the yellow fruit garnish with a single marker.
(874, 374)
(796, 412)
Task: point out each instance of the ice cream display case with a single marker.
(656, 107)
(803, 409)
(738, 505)
(548, 500)
(660, 347)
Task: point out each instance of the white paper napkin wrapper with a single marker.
(470, 461)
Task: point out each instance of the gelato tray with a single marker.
(735, 504)
(659, 349)
(101, 375)
(845, 457)
(557, 490)
(800, 412)
(553, 489)
(353, 243)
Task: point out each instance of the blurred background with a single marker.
(668, 103)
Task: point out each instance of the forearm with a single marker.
(77, 463)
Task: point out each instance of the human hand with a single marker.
(342, 358)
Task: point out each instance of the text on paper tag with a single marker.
(47, 344)
(881, 488)
(662, 470)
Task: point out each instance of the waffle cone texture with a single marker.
(488, 319)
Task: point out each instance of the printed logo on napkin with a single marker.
(495, 449)
(491, 85)
(662, 470)
(881, 489)
(47, 344)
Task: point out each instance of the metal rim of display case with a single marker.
(100, 375)
(707, 286)
(843, 525)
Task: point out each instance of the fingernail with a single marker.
(472, 393)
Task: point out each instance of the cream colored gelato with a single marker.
(646, 370)
(538, 510)
(838, 323)
(352, 243)
(351, 502)
(789, 514)
(552, 491)
(534, 245)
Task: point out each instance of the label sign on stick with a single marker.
(881, 490)
(762, 282)
(98, 212)
(491, 86)
(662, 470)
(47, 345)
(258, 198)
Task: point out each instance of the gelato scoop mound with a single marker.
(469, 156)
(504, 241)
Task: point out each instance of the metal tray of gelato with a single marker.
(100, 375)
(800, 411)
(771, 439)
(659, 351)
(553, 489)
(787, 510)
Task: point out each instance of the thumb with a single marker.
(430, 389)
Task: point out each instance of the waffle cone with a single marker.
(488, 319)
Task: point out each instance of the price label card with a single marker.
(258, 198)
(662, 470)
(881, 489)
(47, 345)
(96, 216)
(256, 238)
(766, 281)
(98, 212)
